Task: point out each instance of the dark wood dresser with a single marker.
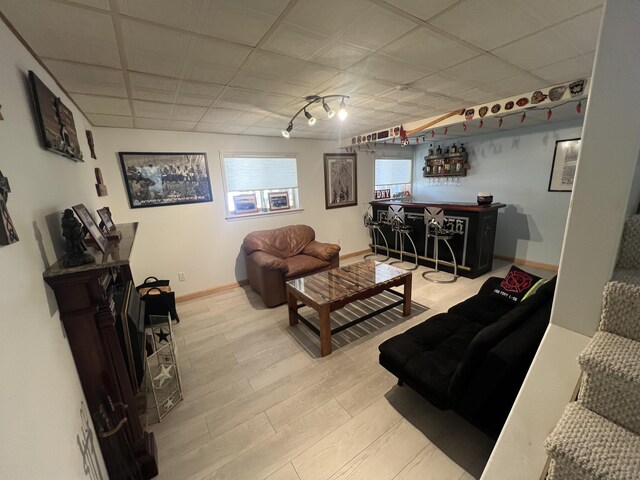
(96, 327)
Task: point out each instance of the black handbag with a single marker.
(158, 299)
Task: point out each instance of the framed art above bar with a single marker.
(340, 180)
(565, 161)
(159, 179)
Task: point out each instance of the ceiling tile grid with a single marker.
(245, 66)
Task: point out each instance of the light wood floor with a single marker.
(260, 404)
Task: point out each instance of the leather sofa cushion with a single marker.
(428, 354)
(282, 242)
(303, 264)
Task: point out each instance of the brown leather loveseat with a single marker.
(275, 256)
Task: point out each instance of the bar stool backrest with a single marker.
(434, 219)
(367, 216)
(395, 215)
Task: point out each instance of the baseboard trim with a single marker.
(242, 283)
(529, 263)
(354, 254)
(209, 291)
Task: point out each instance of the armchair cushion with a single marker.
(301, 265)
(323, 251)
(266, 260)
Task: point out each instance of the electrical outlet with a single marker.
(182, 277)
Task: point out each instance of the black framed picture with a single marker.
(340, 180)
(159, 179)
(565, 162)
(95, 232)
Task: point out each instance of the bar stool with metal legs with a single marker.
(396, 217)
(374, 231)
(434, 220)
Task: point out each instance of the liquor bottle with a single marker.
(430, 150)
(461, 148)
(439, 150)
(446, 150)
(458, 166)
(447, 167)
(428, 168)
(454, 149)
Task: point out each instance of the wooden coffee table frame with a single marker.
(324, 309)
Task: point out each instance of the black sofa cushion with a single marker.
(483, 308)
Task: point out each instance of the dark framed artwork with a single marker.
(246, 203)
(340, 180)
(279, 201)
(88, 222)
(105, 217)
(565, 162)
(55, 121)
(159, 179)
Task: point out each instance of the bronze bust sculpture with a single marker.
(73, 232)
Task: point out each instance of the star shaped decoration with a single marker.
(162, 336)
(163, 377)
(169, 404)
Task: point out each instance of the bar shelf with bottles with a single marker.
(448, 162)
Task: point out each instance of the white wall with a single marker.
(41, 394)
(514, 165)
(196, 239)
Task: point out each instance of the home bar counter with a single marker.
(472, 226)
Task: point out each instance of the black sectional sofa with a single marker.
(473, 358)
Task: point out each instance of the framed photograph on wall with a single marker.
(279, 201)
(340, 180)
(565, 161)
(86, 219)
(159, 179)
(245, 203)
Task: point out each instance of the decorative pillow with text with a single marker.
(517, 285)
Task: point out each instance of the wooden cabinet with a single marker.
(85, 300)
(446, 165)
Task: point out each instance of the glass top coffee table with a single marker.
(331, 290)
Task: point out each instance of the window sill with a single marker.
(232, 218)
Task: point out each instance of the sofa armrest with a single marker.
(323, 251)
(268, 261)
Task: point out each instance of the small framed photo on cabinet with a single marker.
(279, 201)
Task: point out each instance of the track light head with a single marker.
(311, 120)
(327, 108)
(342, 113)
(287, 132)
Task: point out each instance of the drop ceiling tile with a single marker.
(151, 123)
(273, 121)
(568, 70)
(420, 8)
(555, 11)
(202, 94)
(271, 65)
(581, 31)
(209, 73)
(448, 104)
(538, 50)
(339, 55)
(314, 16)
(375, 27)
(242, 22)
(110, 120)
(376, 103)
(491, 23)
(62, 32)
(220, 115)
(483, 69)
(518, 84)
(253, 82)
(443, 84)
(236, 98)
(187, 113)
(152, 87)
(153, 49)
(181, 125)
(434, 51)
(80, 78)
(295, 41)
(182, 14)
(479, 95)
(403, 94)
(247, 118)
(387, 68)
(292, 89)
(102, 4)
(264, 131)
(151, 109)
(104, 105)
(218, 53)
(219, 128)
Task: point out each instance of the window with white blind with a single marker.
(393, 177)
(260, 184)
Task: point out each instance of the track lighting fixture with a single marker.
(311, 120)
